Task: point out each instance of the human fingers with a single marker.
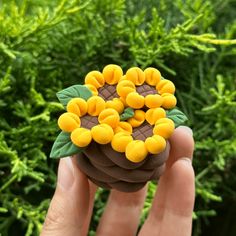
(182, 145)
(92, 191)
(122, 213)
(179, 201)
(69, 206)
(179, 205)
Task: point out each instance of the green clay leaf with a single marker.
(177, 116)
(63, 146)
(128, 113)
(75, 91)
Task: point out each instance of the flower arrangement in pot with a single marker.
(118, 125)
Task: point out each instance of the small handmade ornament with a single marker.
(118, 125)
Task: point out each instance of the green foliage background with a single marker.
(48, 45)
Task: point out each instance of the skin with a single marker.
(171, 212)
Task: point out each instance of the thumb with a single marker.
(70, 203)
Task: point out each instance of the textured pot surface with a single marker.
(110, 169)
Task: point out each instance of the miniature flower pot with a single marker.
(118, 126)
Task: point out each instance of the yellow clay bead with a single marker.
(116, 104)
(169, 101)
(153, 100)
(152, 76)
(137, 119)
(164, 127)
(154, 114)
(102, 133)
(95, 105)
(92, 88)
(77, 106)
(112, 74)
(110, 117)
(135, 100)
(165, 86)
(125, 87)
(122, 78)
(123, 100)
(136, 75)
(125, 127)
(95, 78)
(136, 151)
(81, 137)
(120, 141)
(155, 144)
(68, 122)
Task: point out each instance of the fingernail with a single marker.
(187, 160)
(186, 129)
(65, 173)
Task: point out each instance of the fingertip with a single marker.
(66, 174)
(186, 129)
(182, 143)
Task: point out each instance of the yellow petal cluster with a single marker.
(102, 133)
(165, 86)
(137, 119)
(110, 117)
(164, 127)
(152, 76)
(95, 78)
(169, 100)
(81, 137)
(124, 87)
(112, 74)
(153, 100)
(150, 109)
(155, 144)
(165, 89)
(68, 122)
(96, 105)
(120, 141)
(77, 106)
(135, 100)
(116, 104)
(124, 126)
(136, 75)
(154, 114)
(136, 151)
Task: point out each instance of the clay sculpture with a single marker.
(118, 125)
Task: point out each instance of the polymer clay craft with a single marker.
(118, 125)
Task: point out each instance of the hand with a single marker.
(71, 208)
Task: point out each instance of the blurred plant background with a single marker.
(48, 45)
